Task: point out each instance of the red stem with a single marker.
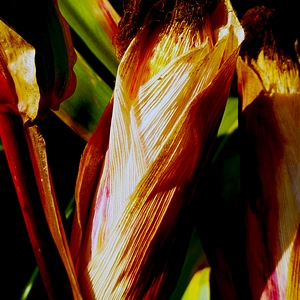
(48, 259)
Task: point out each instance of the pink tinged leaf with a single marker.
(108, 18)
(88, 176)
(162, 127)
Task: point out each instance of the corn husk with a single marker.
(270, 111)
(171, 90)
(50, 61)
(20, 91)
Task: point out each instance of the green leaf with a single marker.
(70, 208)
(226, 160)
(224, 207)
(84, 108)
(228, 125)
(229, 121)
(199, 287)
(82, 17)
(195, 258)
(29, 284)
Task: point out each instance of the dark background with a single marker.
(64, 149)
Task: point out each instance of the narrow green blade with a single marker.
(84, 108)
(82, 17)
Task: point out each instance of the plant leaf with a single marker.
(18, 74)
(199, 287)
(194, 261)
(86, 18)
(228, 125)
(88, 176)
(161, 123)
(29, 285)
(269, 89)
(82, 111)
(41, 25)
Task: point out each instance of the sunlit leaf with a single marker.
(87, 18)
(28, 287)
(18, 72)
(199, 287)
(161, 129)
(230, 117)
(228, 125)
(41, 25)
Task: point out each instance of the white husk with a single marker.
(157, 136)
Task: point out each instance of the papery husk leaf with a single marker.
(88, 176)
(8, 96)
(271, 173)
(155, 153)
(293, 290)
(19, 88)
(42, 26)
(250, 86)
(145, 217)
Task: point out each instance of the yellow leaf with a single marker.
(18, 58)
(199, 286)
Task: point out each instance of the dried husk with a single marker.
(42, 49)
(272, 155)
(269, 88)
(171, 90)
(20, 91)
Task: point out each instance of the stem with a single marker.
(48, 259)
(37, 149)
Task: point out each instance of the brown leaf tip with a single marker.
(137, 13)
(271, 30)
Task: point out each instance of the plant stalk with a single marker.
(13, 135)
